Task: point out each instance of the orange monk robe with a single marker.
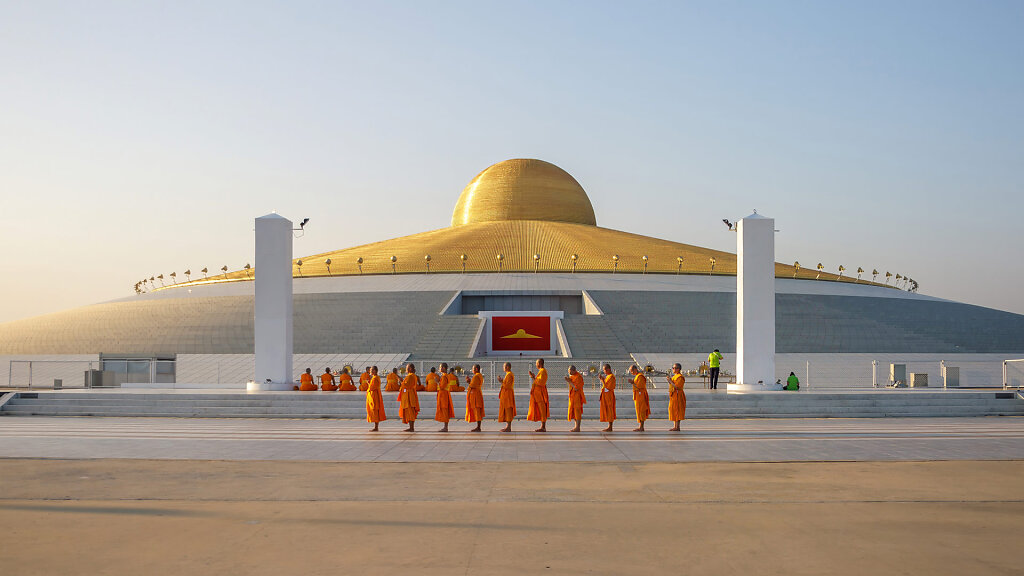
(539, 408)
(307, 384)
(677, 398)
(419, 386)
(408, 400)
(608, 399)
(364, 381)
(453, 383)
(507, 398)
(641, 400)
(576, 397)
(374, 401)
(345, 382)
(475, 399)
(393, 383)
(445, 408)
(432, 380)
(327, 382)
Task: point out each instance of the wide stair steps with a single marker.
(700, 404)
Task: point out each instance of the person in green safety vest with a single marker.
(715, 362)
(792, 383)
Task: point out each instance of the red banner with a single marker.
(526, 333)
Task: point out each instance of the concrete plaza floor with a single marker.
(201, 496)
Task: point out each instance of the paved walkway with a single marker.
(756, 440)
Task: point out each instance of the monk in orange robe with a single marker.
(576, 398)
(306, 381)
(507, 399)
(453, 382)
(475, 398)
(445, 408)
(364, 380)
(641, 400)
(345, 381)
(676, 397)
(408, 400)
(539, 408)
(374, 401)
(393, 381)
(432, 380)
(327, 381)
(608, 397)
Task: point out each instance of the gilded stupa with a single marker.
(524, 215)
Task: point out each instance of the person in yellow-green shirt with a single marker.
(715, 362)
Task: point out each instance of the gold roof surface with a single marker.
(523, 216)
(523, 189)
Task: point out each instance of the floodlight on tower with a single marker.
(536, 263)
(298, 264)
(615, 263)
(796, 268)
(174, 277)
(359, 262)
(679, 268)
(463, 257)
(204, 271)
(501, 257)
(426, 259)
(874, 274)
(820, 268)
(394, 260)
(328, 264)
(644, 258)
(887, 276)
(247, 268)
(859, 272)
(574, 258)
(841, 270)
(712, 260)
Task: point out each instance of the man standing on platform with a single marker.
(715, 362)
(539, 410)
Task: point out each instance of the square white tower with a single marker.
(273, 303)
(755, 303)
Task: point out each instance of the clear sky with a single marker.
(139, 138)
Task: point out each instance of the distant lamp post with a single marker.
(859, 272)
(298, 264)
(874, 274)
(463, 258)
(712, 260)
(188, 275)
(224, 269)
(679, 268)
(574, 258)
(394, 260)
(536, 263)
(820, 268)
(359, 263)
(615, 263)
(247, 268)
(899, 278)
(328, 264)
(644, 258)
(174, 277)
(887, 276)
(501, 258)
(841, 270)
(205, 271)
(796, 268)
(427, 260)
(161, 279)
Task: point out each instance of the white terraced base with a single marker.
(700, 404)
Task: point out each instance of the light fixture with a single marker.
(188, 275)
(644, 258)
(796, 268)
(247, 268)
(727, 223)
(820, 268)
(887, 276)
(224, 269)
(841, 270)
(712, 260)
(536, 263)
(394, 260)
(161, 279)
(874, 274)
(501, 257)
(574, 258)
(328, 264)
(859, 272)
(427, 260)
(463, 258)
(174, 277)
(679, 269)
(204, 271)
(359, 262)
(615, 263)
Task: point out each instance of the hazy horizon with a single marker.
(141, 139)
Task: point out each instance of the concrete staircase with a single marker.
(701, 404)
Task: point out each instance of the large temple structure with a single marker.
(523, 241)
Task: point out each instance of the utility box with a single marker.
(93, 378)
(918, 380)
(898, 373)
(58, 383)
(951, 376)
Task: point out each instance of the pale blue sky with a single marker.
(142, 137)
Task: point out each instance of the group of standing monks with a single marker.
(445, 382)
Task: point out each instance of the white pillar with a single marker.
(755, 304)
(273, 308)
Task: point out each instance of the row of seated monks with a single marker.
(539, 410)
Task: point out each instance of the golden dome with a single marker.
(523, 189)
